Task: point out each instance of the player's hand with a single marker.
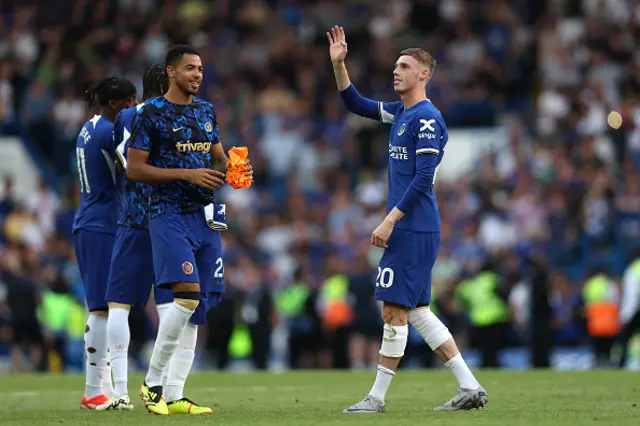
(337, 44)
(249, 170)
(382, 233)
(206, 178)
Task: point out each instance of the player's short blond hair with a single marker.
(422, 57)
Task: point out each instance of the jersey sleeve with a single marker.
(430, 134)
(368, 108)
(141, 132)
(388, 110)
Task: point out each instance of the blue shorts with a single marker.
(93, 252)
(131, 273)
(207, 302)
(186, 250)
(404, 272)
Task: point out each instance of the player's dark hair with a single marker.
(176, 53)
(110, 89)
(155, 81)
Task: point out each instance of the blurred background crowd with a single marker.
(540, 230)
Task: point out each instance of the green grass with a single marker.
(312, 398)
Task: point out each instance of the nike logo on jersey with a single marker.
(175, 130)
(427, 124)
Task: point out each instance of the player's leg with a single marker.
(394, 342)
(118, 339)
(93, 251)
(172, 240)
(437, 336)
(398, 292)
(163, 298)
(471, 394)
(182, 361)
(209, 264)
(130, 281)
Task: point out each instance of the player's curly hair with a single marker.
(155, 81)
(110, 89)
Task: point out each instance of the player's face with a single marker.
(188, 74)
(407, 74)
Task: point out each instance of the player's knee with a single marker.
(181, 287)
(432, 330)
(395, 315)
(100, 312)
(187, 299)
(115, 305)
(394, 340)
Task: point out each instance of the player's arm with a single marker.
(218, 158)
(428, 134)
(352, 99)
(139, 169)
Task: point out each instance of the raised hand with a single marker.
(337, 44)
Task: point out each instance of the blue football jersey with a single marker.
(419, 130)
(177, 136)
(97, 174)
(133, 196)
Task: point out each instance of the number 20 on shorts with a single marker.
(384, 278)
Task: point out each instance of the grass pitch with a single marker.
(318, 398)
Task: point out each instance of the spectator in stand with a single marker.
(562, 181)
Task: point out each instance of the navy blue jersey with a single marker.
(97, 173)
(133, 196)
(419, 130)
(177, 136)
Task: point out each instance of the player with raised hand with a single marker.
(94, 226)
(410, 233)
(176, 148)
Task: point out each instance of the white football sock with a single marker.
(107, 379)
(461, 370)
(381, 385)
(169, 333)
(162, 311)
(95, 348)
(180, 363)
(119, 337)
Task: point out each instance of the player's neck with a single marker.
(108, 113)
(176, 96)
(412, 98)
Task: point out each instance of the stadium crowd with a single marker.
(522, 232)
